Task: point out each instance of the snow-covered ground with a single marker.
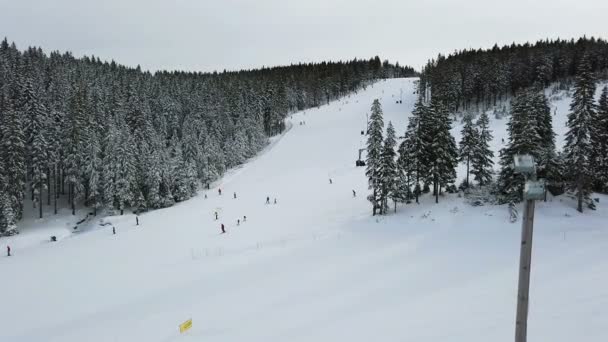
(315, 266)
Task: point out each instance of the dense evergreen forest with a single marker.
(481, 78)
(113, 137)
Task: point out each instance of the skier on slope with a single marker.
(267, 199)
(219, 191)
(354, 193)
(216, 215)
(235, 195)
(223, 229)
(8, 250)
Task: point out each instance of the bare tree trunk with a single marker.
(72, 199)
(374, 204)
(39, 199)
(436, 188)
(468, 171)
(69, 194)
(55, 187)
(48, 185)
(579, 188)
(63, 182)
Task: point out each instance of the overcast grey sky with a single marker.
(207, 35)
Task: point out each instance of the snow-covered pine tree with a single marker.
(374, 155)
(523, 139)
(469, 142)
(442, 148)
(8, 221)
(124, 180)
(185, 181)
(407, 162)
(402, 192)
(388, 169)
(481, 160)
(75, 149)
(92, 166)
(412, 150)
(578, 149)
(13, 154)
(599, 143)
(36, 124)
(108, 171)
(544, 123)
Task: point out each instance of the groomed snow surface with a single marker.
(316, 266)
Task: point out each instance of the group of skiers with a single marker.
(238, 223)
(354, 192)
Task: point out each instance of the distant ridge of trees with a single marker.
(482, 77)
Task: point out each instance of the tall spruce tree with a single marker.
(578, 149)
(36, 122)
(523, 139)
(13, 154)
(388, 169)
(481, 159)
(442, 151)
(469, 142)
(92, 166)
(412, 151)
(374, 155)
(599, 143)
(544, 123)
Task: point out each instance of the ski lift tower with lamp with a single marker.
(533, 190)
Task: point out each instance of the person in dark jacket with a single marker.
(8, 250)
(219, 191)
(267, 199)
(223, 229)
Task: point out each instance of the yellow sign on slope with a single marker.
(185, 326)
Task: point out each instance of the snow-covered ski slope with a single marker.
(315, 266)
